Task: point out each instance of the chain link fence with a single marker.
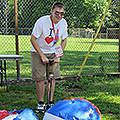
(83, 18)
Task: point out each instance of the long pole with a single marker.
(94, 38)
(16, 37)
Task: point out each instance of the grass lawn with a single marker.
(103, 56)
(102, 91)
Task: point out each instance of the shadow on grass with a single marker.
(104, 94)
(107, 98)
(104, 43)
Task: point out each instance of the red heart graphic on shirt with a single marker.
(49, 39)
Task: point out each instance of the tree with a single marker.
(7, 15)
(79, 13)
(112, 19)
(85, 13)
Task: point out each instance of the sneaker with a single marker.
(49, 105)
(40, 108)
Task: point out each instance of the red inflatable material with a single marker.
(5, 113)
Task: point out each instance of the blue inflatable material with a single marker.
(74, 109)
(26, 114)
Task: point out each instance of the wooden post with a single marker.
(16, 36)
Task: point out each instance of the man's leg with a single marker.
(40, 87)
(38, 75)
(40, 93)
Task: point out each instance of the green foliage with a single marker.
(79, 13)
(112, 19)
(7, 14)
(86, 82)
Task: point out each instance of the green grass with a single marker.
(74, 55)
(102, 91)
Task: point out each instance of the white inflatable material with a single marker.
(10, 117)
(48, 116)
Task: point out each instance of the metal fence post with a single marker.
(16, 36)
(119, 37)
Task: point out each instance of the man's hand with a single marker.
(44, 59)
(56, 59)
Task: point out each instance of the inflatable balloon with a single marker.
(73, 109)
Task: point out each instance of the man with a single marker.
(45, 35)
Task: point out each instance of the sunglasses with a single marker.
(61, 13)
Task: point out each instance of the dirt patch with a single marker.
(21, 82)
(25, 82)
(76, 90)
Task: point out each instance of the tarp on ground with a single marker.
(73, 109)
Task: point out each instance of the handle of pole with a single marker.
(51, 61)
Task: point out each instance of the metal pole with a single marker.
(94, 38)
(119, 38)
(16, 36)
(6, 20)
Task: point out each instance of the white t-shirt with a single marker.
(44, 33)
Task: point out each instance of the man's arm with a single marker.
(63, 43)
(37, 48)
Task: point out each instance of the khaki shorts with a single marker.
(39, 68)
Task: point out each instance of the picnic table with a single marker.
(3, 59)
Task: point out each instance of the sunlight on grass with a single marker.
(74, 55)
